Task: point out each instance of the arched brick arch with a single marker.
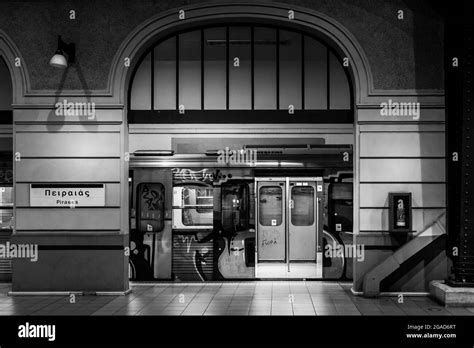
(310, 21)
(314, 23)
(10, 53)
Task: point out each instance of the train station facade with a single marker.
(220, 141)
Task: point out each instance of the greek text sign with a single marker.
(67, 195)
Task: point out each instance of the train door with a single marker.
(271, 221)
(289, 227)
(302, 229)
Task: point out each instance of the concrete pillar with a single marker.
(79, 248)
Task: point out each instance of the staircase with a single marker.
(421, 240)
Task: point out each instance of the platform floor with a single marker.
(297, 271)
(229, 298)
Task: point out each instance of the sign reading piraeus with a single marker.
(67, 195)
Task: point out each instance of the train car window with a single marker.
(250, 252)
(6, 205)
(197, 206)
(235, 207)
(270, 206)
(340, 206)
(6, 208)
(252, 205)
(302, 213)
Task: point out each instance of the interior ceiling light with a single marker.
(247, 42)
(66, 53)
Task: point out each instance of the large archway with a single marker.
(16, 67)
(315, 23)
(10, 88)
(240, 73)
(184, 19)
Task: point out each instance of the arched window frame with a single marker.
(327, 116)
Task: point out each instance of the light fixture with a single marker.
(153, 153)
(213, 42)
(66, 53)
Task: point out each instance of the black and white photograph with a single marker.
(212, 173)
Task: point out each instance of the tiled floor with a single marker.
(236, 298)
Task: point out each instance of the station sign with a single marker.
(67, 195)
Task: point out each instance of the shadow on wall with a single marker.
(424, 171)
(416, 273)
(54, 118)
(427, 70)
(425, 34)
(431, 263)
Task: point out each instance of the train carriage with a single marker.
(258, 212)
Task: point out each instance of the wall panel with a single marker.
(377, 219)
(68, 170)
(397, 144)
(68, 144)
(68, 219)
(49, 116)
(402, 170)
(423, 195)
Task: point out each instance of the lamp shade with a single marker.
(58, 60)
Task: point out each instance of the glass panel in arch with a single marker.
(140, 95)
(215, 69)
(5, 87)
(190, 70)
(339, 92)
(315, 71)
(290, 70)
(165, 75)
(240, 79)
(265, 68)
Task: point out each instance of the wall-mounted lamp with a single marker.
(66, 53)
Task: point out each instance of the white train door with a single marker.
(289, 227)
